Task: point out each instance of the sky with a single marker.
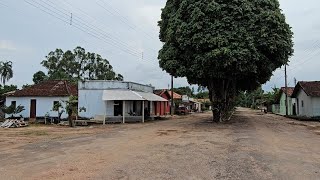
(126, 33)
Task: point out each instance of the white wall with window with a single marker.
(44, 105)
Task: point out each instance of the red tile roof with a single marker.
(311, 88)
(175, 95)
(51, 88)
(289, 90)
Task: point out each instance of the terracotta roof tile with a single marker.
(48, 89)
(290, 90)
(175, 95)
(311, 88)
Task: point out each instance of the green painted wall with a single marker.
(283, 105)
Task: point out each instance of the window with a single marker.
(56, 105)
(302, 104)
(14, 104)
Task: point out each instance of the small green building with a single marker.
(280, 107)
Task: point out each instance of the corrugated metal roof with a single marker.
(151, 97)
(129, 95)
(119, 95)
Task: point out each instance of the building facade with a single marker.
(38, 100)
(307, 94)
(118, 101)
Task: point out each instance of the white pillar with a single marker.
(105, 112)
(142, 111)
(123, 112)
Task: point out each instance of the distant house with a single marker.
(118, 101)
(166, 94)
(280, 107)
(38, 100)
(191, 103)
(307, 94)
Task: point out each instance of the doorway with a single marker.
(33, 108)
(118, 108)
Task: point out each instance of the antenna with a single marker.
(71, 19)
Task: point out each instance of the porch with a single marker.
(128, 106)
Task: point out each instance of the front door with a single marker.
(33, 108)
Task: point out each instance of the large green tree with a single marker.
(184, 91)
(6, 89)
(77, 65)
(39, 77)
(224, 45)
(6, 72)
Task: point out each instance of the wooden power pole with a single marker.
(172, 100)
(286, 88)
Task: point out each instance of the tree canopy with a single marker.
(76, 65)
(6, 72)
(184, 91)
(39, 77)
(7, 88)
(224, 45)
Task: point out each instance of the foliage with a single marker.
(257, 98)
(6, 72)
(224, 45)
(77, 65)
(202, 95)
(58, 108)
(82, 109)
(6, 89)
(184, 91)
(26, 86)
(12, 109)
(39, 77)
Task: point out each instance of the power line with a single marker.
(85, 23)
(80, 27)
(81, 23)
(123, 19)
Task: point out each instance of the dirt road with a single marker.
(251, 146)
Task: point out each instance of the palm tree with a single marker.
(6, 72)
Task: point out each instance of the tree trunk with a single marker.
(219, 97)
(71, 122)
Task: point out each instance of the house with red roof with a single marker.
(307, 94)
(39, 99)
(280, 108)
(163, 108)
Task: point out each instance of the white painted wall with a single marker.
(92, 101)
(316, 106)
(44, 105)
(104, 85)
(95, 106)
(90, 96)
(306, 109)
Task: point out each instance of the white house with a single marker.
(117, 101)
(307, 94)
(191, 103)
(38, 100)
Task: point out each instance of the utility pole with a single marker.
(286, 87)
(172, 100)
(71, 19)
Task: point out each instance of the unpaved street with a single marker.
(251, 146)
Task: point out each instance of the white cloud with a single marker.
(7, 45)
